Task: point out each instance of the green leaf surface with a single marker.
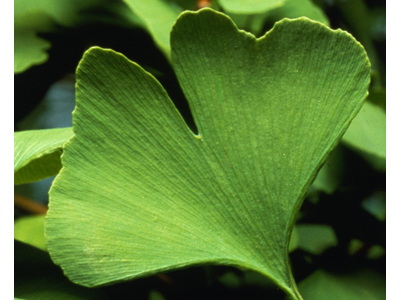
(315, 238)
(250, 22)
(29, 50)
(37, 278)
(299, 8)
(367, 132)
(30, 230)
(250, 6)
(360, 285)
(37, 153)
(37, 16)
(294, 240)
(159, 17)
(331, 174)
(378, 97)
(139, 193)
(376, 205)
(292, 9)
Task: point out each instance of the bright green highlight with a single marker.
(139, 193)
(37, 153)
(250, 6)
(30, 230)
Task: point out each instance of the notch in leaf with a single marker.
(139, 193)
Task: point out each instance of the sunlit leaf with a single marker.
(367, 134)
(139, 193)
(299, 8)
(250, 6)
(37, 153)
(294, 240)
(30, 230)
(29, 50)
(158, 17)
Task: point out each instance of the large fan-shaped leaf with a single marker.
(37, 153)
(139, 193)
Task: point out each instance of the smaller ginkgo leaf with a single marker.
(331, 174)
(299, 8)
(37, 153)
(360, 285)
(139, 193)
(315, 238)
(30, 230)
(158, 16)
(367, 132)
(250, 6)
(29, 50)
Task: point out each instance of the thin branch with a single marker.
(29, 205)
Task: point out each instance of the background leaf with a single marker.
(250, 6)
(299, 8)
(315, 238)
(367, 132)
(29, 50)
(361, 285)
(37, 153)
(331, 174)
(195, 198)
(158, 17)
(36, 277)
(30, 230)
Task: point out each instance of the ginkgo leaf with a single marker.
(37, 153)
(367, 132)
(316, 238)
(30, 230)
(290, 9)
(250, 6)
(139, 193)
(158, 17)
(361, 285)
(331, 174)
(29, 50)
(299, 8)
(39, 16)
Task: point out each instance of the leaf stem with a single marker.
(29, 205)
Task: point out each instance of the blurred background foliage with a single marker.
(338, 245)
